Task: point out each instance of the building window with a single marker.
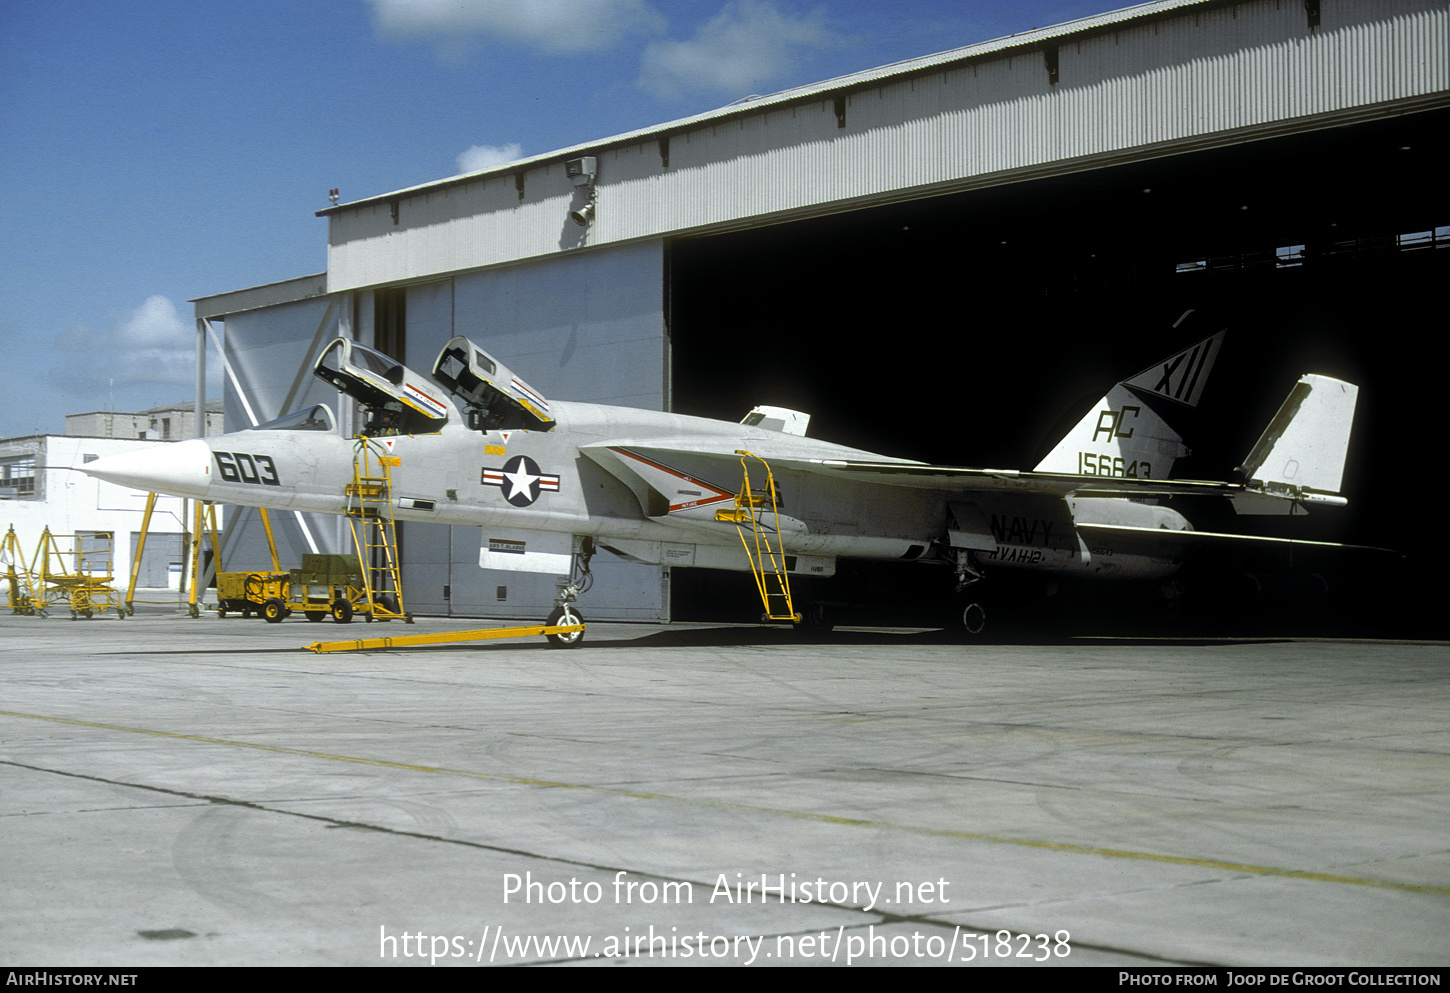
(17, 477)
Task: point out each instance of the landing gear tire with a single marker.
(341, 611)
(562, 615)
(314, 615)
(974, 619)
(817, 619)
(273, 611)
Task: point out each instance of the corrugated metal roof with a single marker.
(266, 295)
(995, 48)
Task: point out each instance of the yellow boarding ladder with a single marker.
(374, 534)
(756, 516)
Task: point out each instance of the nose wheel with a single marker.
(562, 616)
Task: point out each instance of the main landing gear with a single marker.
(974, 614)
(974, 618)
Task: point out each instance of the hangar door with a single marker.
(586, 327)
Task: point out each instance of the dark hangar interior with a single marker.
(974, 328)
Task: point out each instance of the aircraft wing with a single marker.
(961, 479)
(1297, 461)
(658, 467)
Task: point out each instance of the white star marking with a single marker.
(522, 480)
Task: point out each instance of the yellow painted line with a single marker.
(1050, 846)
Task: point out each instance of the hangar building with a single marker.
(946, 258)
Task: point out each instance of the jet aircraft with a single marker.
(550, 482)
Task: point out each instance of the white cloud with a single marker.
(150, 352)
(156, 324)
(487, 156)
(156, 345)
(551, 25)
(740, 51)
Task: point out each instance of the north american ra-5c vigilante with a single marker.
(549, 482)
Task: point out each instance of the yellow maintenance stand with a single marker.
(75, 569)
(19, 584)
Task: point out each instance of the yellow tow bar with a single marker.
(562, 635)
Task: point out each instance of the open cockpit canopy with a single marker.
(495, 398)
(398, 400)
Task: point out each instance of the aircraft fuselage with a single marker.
(597, 473)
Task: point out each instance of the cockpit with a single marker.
(397, 400)
(496, 399)
(318, 417)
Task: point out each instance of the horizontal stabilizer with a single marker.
(1301, 453)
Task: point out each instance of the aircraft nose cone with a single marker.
(181, 469)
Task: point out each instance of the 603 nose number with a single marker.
(238, 467)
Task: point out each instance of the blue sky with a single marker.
(155, 151)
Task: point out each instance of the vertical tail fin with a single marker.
(1123, 435)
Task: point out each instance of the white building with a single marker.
(41, 486)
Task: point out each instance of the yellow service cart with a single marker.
(330, 584)
(264, 593)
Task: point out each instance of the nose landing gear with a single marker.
(564, 615)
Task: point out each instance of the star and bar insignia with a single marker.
(520, 480)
